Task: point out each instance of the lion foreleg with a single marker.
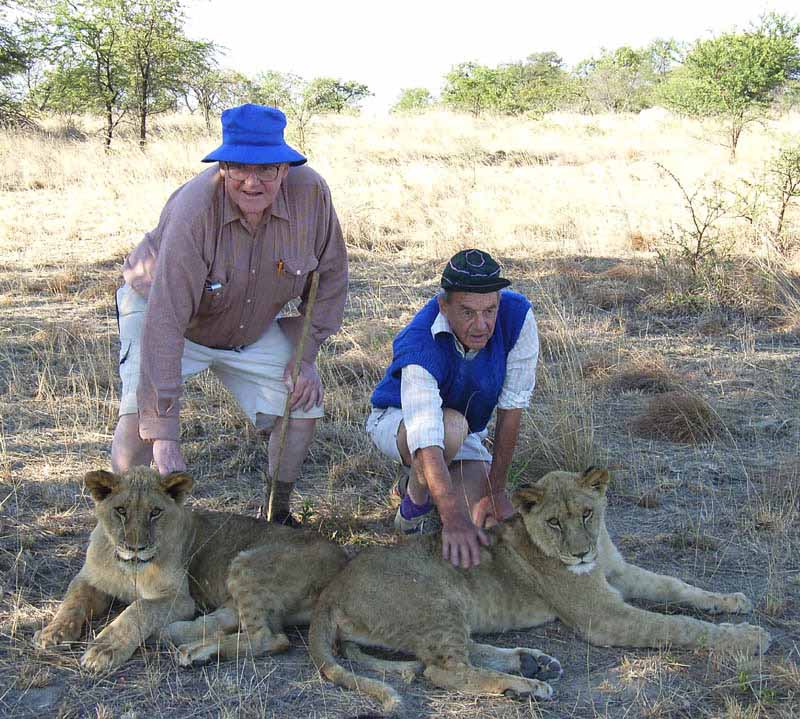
(120, 639)
(636, 583)
(611, 622)
(81, 602)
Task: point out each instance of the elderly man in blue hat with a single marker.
(204, 290)
(470, 350)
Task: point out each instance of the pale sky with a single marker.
(414, 43)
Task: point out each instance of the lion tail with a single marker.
(322, 637)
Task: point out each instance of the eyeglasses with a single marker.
(239, 173)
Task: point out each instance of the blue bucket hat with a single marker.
(253, 135)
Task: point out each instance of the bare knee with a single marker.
(128, 449)
(456, 430)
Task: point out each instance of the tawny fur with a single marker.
(166, 560)
(553, 559)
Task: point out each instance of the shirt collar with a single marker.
(442, 325)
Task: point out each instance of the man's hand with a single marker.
(168, 457)
(491, 509)
(308, 391)
(460, 539)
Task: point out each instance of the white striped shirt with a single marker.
(419, 391)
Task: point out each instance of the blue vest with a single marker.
(472, 387)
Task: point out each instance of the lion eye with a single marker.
(587, 513)
(554, 523)
(120, 511)
(155, 512)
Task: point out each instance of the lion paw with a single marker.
(534, 664)
(527, 688)
(57, 633)
(199, 652)
(736, 603)
(744, 638)
(102, 656)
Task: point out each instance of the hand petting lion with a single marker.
(553, 559)
(164, 559)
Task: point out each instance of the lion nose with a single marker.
(582, 555)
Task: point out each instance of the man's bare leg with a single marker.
(299, 435)
(128, 449)
(455, 432)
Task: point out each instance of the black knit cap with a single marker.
(473, 271)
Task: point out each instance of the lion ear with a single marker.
(177, 485)
(526, 498)
(100, 484)
(594, 478)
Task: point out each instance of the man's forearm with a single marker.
(505, 441)
(431, 468)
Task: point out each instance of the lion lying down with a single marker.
(163, 559)
(554, 558)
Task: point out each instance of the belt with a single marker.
(228, 348)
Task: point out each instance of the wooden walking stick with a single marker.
(298, 358)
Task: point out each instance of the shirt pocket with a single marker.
(216, 295)
(293, 271)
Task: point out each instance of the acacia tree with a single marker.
(83, 47)
(158, 53)
(472, 88)
(113, 56)
(413, 99)
(735, 76)
(212, 89)
(14, 60)
(328, 94)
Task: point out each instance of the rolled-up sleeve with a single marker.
(521, 367)
(422, 408)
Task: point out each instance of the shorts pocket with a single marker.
(124, 351)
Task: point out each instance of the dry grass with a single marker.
(572, 206)
(678, 417)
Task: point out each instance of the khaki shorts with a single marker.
(384, 423)
(254, 375)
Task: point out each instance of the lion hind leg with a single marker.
(638, 583)
(406, 669)
(530, 663)
(222, 621)
(231, 646)
(477, 680)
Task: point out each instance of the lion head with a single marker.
(563, 513)
(141, 513)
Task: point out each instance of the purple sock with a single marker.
(409, 510)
